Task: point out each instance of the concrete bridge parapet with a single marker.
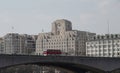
(74, 63)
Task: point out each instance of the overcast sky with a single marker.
(31, 16)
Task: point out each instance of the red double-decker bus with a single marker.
(52, 52)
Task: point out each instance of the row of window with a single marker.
(56, 40)
(103, 42)
(105, 54)
(69, 46)
(54, 43)
(102, 46)
(104, 50)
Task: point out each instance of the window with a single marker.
(118, 53)
(109, 53)
(104, 50)
(116, 36)
(114, 49)
(102, 37)
(104, 46)
(107, 36)
(87, 47)
(109, 46)
(99, 46)
(109, 41)
(104, 42)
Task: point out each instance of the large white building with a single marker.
(15, 43)
(104, 46)
(62, 37)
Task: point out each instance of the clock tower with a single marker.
(61, 26)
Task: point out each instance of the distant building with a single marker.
(104, 46)
(1, 46)
(12, 43)
(28, 43)
(15, 43)
(70, 42)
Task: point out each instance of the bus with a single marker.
(52, 52)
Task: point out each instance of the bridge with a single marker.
(75, 64)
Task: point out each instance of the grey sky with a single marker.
(31, 16)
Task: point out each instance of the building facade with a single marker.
(1, 46)
(12, 44)
(62, 37)
(28, 43)
(15, 43)
(104, 46)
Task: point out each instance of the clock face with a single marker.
(58, 26)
